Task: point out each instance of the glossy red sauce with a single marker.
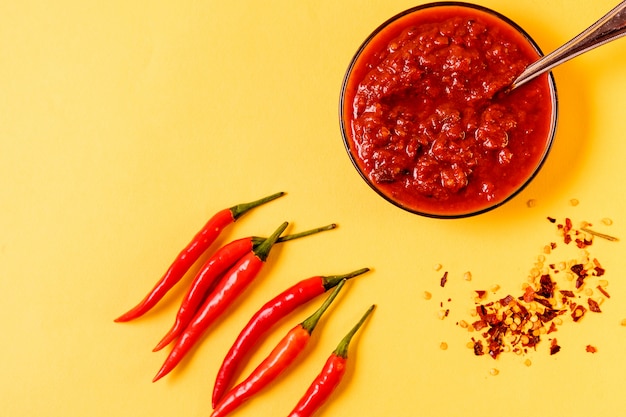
(421, 121)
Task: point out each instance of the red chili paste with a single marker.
(421, 120)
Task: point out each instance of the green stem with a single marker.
(258, 240)
(307, 233)
(310, 323)
(342, 348)
(333, 280)
(240, 209)
(263, 250)
(598, 234)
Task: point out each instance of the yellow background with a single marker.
(125, 125)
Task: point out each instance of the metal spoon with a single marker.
(610, 27)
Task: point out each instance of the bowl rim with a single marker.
(553, 93)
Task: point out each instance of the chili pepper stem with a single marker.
(342, 348)
(263, 250)
(307, 233)
(600, 235)
(240, 209)
(332, 280)
(310, 323)
(256, 240)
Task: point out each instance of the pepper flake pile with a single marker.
(566, 290)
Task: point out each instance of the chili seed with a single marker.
(574, 202)
(437, 267)
(467, 276)
(443, 346)
(531, 203)
(494, 371)
(623, 323)
(528, 362)
(606, 221)
(427, 295)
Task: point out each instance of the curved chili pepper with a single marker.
(190, 254)
(227, 290)
(271, 312)
(279, 359)
(325, 383)
(211, 271)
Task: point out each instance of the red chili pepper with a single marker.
(279, 359)
(211, 271)
(227, 290)
(271, 312)
(325, 383)
(190, 254)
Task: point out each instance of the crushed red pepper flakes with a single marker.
(603, 291)
(591, 349)
(517, 324)
(481, 294)
(593, 306)
(554, 347)
(578, 312)
(552, 328)
(478, 347)
(444, 279)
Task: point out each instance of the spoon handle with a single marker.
(608, 28)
